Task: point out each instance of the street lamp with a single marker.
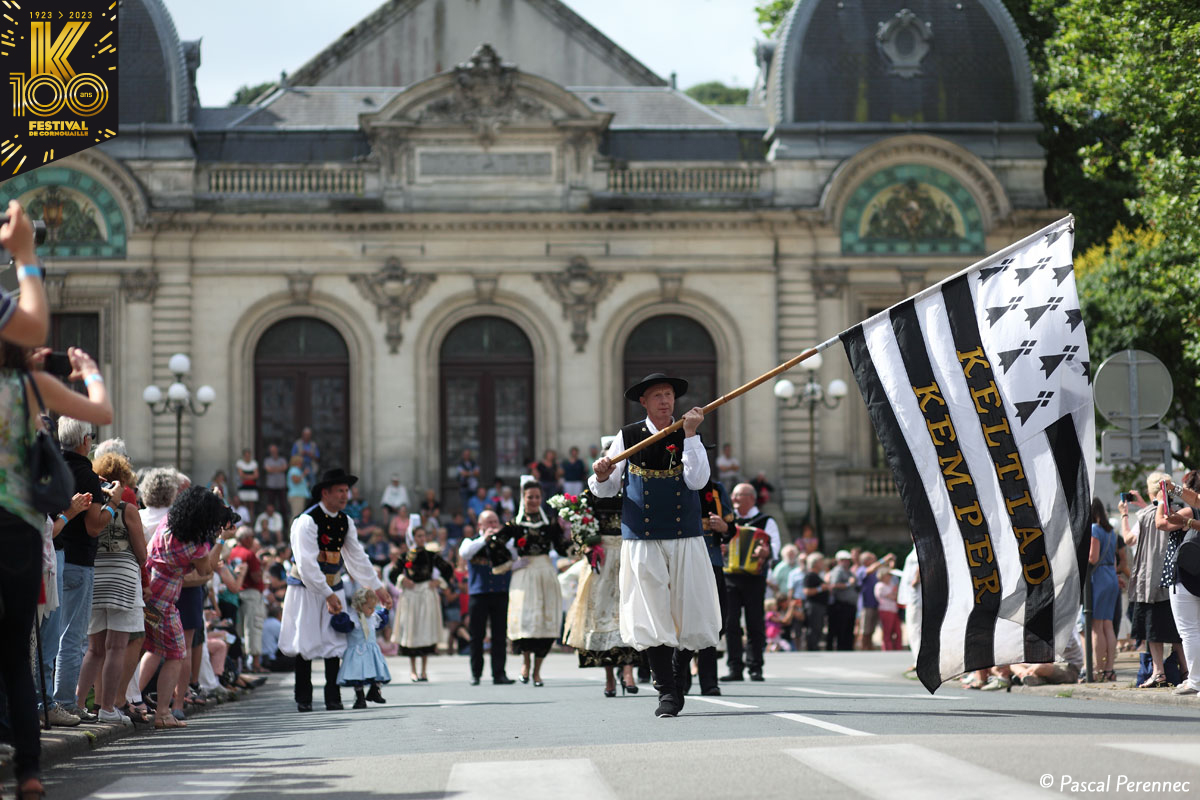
(812, 395)
(177, 399)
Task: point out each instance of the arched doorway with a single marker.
(486, 368)
(302, 379)
(680, 347)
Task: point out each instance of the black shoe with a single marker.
(538, 683)
(711, 691)
(334, 707)
(360, 702)
(610, 692)
(304, 707)
(474, 680)
(630, 687)
(375, 696)
(503, 680)
(668, 706)
(756, 675)
(731, 677)
(524, 679)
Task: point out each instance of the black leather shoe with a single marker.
(503, 680)
(360, 702)
(474, 680)
(668, 706)
(334, 707)
(524, 679)
(756, 675)
(712, 691)
(304, 707)
(375, 696)
(631, 688)
(732, 677)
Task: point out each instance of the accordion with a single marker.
(741, 551)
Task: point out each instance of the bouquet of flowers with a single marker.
(575, 510)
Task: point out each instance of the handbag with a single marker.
(52, 481)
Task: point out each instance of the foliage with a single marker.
(1141, 291)
(771, 13)
(246, 93)
(715, 93)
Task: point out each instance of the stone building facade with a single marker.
(469, 223)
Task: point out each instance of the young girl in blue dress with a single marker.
(363, 665)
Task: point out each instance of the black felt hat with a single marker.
(332, 477)
(634, 393)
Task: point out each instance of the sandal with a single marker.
(136, 712)
(168, 721)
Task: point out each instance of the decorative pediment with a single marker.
(482, 97)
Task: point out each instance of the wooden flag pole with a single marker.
(715, 404)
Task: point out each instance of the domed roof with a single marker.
(155, 86)
(899, 61)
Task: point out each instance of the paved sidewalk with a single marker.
(1123, 690)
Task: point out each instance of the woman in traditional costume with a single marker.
(419, 621)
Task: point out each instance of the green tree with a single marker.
(715, 93)
(771, 13)
(246, 93)
(1140, 291)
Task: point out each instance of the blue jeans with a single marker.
(51, 634)
(75, 614)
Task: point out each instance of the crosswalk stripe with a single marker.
(841, 672)
(907, 771)
(820, 723)
(576, 778)
(193, 785)
(912, 696)
(1183, 752)
(714, 700)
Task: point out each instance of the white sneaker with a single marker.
(62, 718)
(115, 716)
(1185, 688)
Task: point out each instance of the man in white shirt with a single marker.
(394, 496)
(745, 593)
(668, 596)
(269, 525)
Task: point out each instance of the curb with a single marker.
(64, 744)
(1155, 697)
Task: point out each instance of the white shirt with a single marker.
(470, 547)
(354, 558)
(274, 522)
(695, 465)
(772, 529)
(394, 496)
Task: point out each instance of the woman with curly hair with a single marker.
(116, 595)
(180, 545)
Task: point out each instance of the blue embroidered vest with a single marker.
(658, 504)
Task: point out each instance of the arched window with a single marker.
(680, 347)
(486, 368)
(302, 379)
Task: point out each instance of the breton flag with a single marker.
(979, 389)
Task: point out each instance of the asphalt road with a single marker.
(822, 725)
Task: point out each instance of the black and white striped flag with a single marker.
(979, 389)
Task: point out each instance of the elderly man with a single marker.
(745, 592)
(252, 608)
(323, 540)
(668, 598)
(488, 599)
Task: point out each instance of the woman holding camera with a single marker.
(21, 525)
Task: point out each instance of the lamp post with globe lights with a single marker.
(179, 398)
(812, 395)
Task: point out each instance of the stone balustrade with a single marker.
(685, 180)
(283, 181)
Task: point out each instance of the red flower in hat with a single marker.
(521, 542)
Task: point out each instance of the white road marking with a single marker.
(842, 672)
(193, 786)
(576, 778)
(820, 723)
(1184, 752)
(871, 694)
(714, 700)
(907, 771)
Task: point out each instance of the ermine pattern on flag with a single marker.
(980, 391)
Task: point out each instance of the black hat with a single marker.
(1187, 565)
(332, 477)
(634, 393)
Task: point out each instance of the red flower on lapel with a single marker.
(521, 542)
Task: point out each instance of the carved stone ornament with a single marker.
(392, 290)
(55, 284)
(828, 282)
(485, 289)
(904, 42)
(579, 288)
(485, 98)
(140, 286)
(300, 287)
(670, 284)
